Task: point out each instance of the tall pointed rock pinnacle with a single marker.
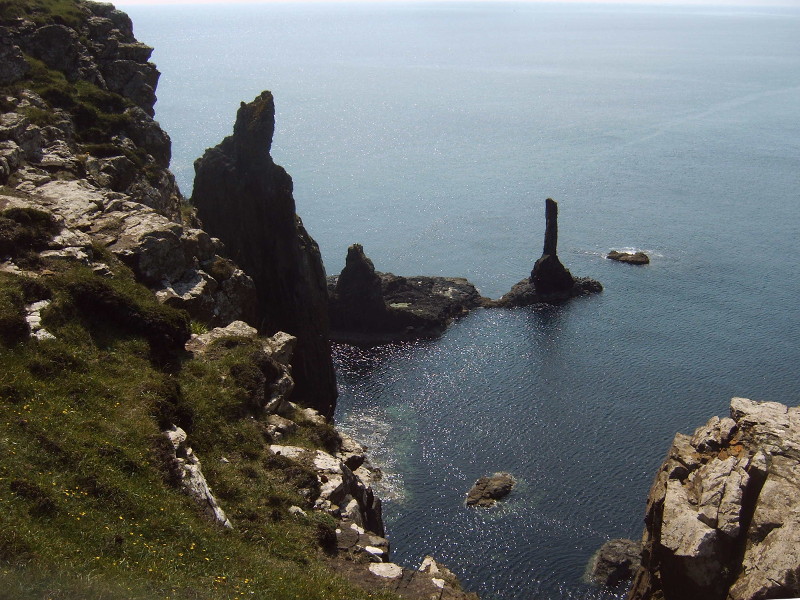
(246, 200)
(549, 275)
(550, 281)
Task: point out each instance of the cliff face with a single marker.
(78, 141)
(245, 199)
(723, 520)
(82, 90)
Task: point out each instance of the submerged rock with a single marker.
(550, 280)
(614, 563)
(367, 306)
(489, 489)
(723, 515)
(633, 258)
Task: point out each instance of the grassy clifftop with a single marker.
(90, 507)
(87, 507)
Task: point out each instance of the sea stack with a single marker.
(549, 276)
(245, 200)
(550, 281)
(357, 300)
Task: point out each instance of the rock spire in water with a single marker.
(549, 275)
(550, 281)
(245, 199)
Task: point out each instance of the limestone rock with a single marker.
(199, 343)
(723, 516)
(185, 467)
(489, 489)
(632, 258)
(56, 46)
(614, 563)
(549, 281)
(344, 494)
(245, 199)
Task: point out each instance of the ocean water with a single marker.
(432, 133)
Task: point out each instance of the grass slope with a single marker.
(87, 509)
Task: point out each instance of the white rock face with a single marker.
(737, 472)
(186, 466)
(33, 316)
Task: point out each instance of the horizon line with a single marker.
(674, 3)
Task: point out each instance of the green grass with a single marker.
(42, 12)
(87, 509)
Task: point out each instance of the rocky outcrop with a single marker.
(489, 489)
(431, 581)
(185, 467)
(369, 307)
(245, 199)
(180, 264)
(96, 123)
(615, 563)
(632, 258)
(550, 280)
(723, 517)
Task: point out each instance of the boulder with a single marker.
(614, 563)
(632, 258)
(489, 489)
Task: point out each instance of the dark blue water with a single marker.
(432, 133)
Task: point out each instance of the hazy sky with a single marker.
(123, 3)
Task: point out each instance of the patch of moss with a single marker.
(25, 229)
(13, 326)
(108, 298)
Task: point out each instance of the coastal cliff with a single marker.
(722, 520)
(152, 443)
(245, 199)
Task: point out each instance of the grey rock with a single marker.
(57, 46)
(13, 65)
(632, 258)
(723, 516)
(614, 563)
(185, 467)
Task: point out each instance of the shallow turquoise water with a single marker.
(431, 133)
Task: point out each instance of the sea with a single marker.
(432, 133)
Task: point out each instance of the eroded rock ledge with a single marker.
(723, 515)
(367, 306)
